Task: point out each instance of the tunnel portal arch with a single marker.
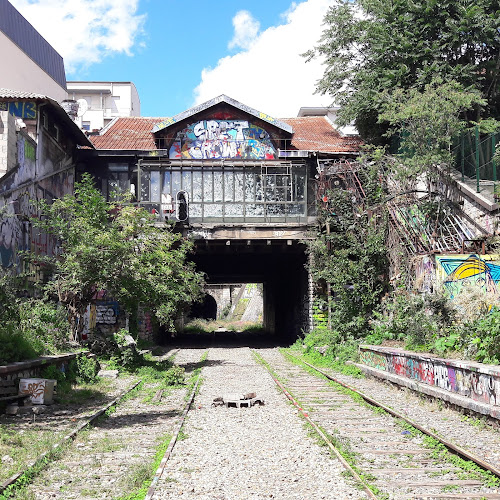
(205, 309)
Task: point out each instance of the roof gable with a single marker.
(213, 102)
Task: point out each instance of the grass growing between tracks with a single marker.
(140, 479)
(324, 361)
(342, 445)
(470, 470)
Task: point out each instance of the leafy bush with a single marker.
(54, 373)
(480, 339)
(174, 376)
(418, 320)
(44, 325)
(87, 368)
(15, 347)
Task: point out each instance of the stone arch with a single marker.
(205, 309)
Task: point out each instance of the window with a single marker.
(118, 180)
(228, 194)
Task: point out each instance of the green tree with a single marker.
(376, 46)
(115, 247)
(427, 120)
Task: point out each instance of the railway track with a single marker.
(232, 453)
(112, 448)
(389, 456)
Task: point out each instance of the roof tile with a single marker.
(311, 133)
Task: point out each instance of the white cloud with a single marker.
(246, 28)
(84, 31)
(271, 75)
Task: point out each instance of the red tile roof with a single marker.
(127, 133)
(316, 133)
(311, 133)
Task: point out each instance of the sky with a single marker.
(180, 53)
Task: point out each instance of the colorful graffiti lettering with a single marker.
(212, 139)
(370, 358)
(20, 109)
(481, 387)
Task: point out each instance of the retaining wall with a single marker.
(34, 367)
(466, 383)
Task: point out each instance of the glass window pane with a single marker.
(194, 210)
(197, 195)
(238, 186)
(249, 187)
(186, 182)
(207, 186)
(145, 186)
(299, 187)
(176, 183)
(218, 191)
(213, 210)
(276, 210)
(155, 186)
(258, 188)
(296, 209)
(254, 210)
(167, 177)
(228, 186)
(233, 210)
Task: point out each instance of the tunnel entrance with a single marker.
(205, 309)
(278, 265)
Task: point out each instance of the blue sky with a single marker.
(180, 53)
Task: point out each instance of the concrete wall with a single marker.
(480, 383)
(20, 72)
(8, 153)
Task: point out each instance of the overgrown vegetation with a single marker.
(117, 247)
(29, 327)
(424, 96)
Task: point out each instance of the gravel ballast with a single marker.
(248, 453)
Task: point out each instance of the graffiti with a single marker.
(107, 312)
(20, 109)
(212, 139)
(482, 387)
(89, 319)
(460, 273)
(370, 358)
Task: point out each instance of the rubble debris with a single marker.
(238, 400)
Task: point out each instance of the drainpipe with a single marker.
(477, 159)
(38, 135)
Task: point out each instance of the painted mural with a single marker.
(483, 387)
(458, 272)
(216, 139)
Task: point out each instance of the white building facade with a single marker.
(100, 102)
(29, 63)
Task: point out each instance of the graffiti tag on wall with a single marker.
(20, 109)
(477, 386)
(107, 312)
(467, 274)
(212, 139)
